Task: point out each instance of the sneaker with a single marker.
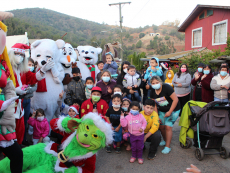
(162, 143)
(132, 159)
(108, 149)
(140, 161)
(151, 157)
(166, 150)
(118, 150)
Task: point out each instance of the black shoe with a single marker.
(118, 150)
(151, 156)
(108, 149)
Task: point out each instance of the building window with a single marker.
(209, 12)
(219, 32)
(197, 37)
(201, 16)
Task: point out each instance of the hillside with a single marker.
(43, 23)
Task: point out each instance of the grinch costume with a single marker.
(77, 154)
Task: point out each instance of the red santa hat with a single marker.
(102, 124)
(19, 47)
(75, 108)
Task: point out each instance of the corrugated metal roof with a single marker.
(197, 10)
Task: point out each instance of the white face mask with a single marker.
(125, 70)
(40, 118)
(116, 106)
(18, 59)
(118, 93)
(169, 75)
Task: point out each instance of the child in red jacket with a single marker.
(40, 126)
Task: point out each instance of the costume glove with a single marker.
(19, 91)
(47, 66)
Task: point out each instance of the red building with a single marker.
(207, 26)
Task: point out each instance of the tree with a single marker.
(155, 28)
(173, 32)
(127, 35)
(164, 31)
(135, 59)
(141, 35)
(167, 37)
(139, 44)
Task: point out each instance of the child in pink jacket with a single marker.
(40, 126)
(136, 124)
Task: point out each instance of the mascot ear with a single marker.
(60, 44)
(35, 44)
(99, 50)
(72, 125)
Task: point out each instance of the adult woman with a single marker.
(202, 90)
(220, 84)
(181, 82)
(169, 109)
(106, 84)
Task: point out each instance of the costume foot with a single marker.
(162, 143)
(8, 103)
(132, 159)
(166, 150)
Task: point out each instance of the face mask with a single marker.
(118, 93)
(223, 73)
(134, 112)
(106, 79)
(89, 86)
(169, 75)
(183, 70)
(200, 70)
(125, 70)
(31, 68)
(73, 116)
(96, 98)
(125, 109)
(156, 86)
(18, 59)
(116, 106)
(40, 118)
(77, 78)
(206, 71)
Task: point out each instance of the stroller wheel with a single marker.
(199, 153)
(224, 153)
(188, 144)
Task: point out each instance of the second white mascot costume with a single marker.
(88, 57)
(45, 51)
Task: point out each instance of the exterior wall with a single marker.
(207, 27)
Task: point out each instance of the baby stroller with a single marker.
(210, 124)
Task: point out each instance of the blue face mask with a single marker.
(200, 70)
(31, 68)
(89, 86)
(206, 71)
(106, 79)
(134, 112)
(71, 117)
(223, 73)
(125, 109)
(156, 86)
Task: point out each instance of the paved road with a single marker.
(175, 162)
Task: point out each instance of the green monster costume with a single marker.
(77, 153)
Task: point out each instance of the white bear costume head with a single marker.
(68, 56)
(88, 54)
(42, 50)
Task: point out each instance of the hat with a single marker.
(76, 70)
(165, 65)
(19, 47)
(102, 124)
(96, 89)
(75, 108)
(201, 65)
(109, 53)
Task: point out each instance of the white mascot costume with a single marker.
(68, 57)
(88, 57)
(45, 51)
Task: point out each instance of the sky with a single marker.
(138, 13)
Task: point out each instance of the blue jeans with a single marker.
(221, 100)
(136, 95)
(26, 107)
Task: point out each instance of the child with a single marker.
(132, 81)
(169, 77)
(40, 126)
(136, 124)
(113, 116)
(100, 66)
(118, 89)
(110, 64)
(152, 134)
(153, 70)
(88, 87)
(76, 88)
(95, 103)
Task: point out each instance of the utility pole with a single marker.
(121, 20)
